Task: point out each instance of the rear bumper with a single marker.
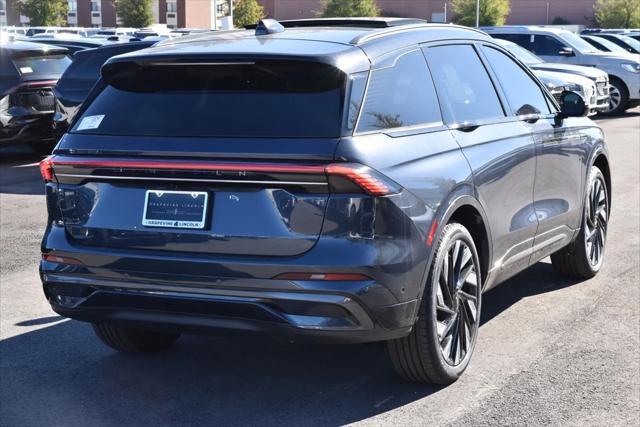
(38, 128)
(306, 314)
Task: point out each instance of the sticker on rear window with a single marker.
(25, 70)
(90, 122)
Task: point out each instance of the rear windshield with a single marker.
(256, 99)
(36, 65)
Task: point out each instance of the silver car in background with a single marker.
(559, 45)
(589, 82)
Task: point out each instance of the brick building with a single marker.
(579, 12)
(200, 13)
(102, 13)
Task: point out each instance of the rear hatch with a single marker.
(39, 71)
(203, 158)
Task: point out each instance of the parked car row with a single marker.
(39, 92)
(562, 46)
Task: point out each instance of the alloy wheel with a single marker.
(596, 217)
(615, 97)
(457, 303)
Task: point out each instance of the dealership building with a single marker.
(209, 13)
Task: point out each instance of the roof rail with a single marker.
(391, 30)
(347, 22)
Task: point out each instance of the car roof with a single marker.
(24, 46)
(349, 44)
(115, 47)
(523, 29)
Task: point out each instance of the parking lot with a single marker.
(550, 351)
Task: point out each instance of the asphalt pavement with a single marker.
(551, 351)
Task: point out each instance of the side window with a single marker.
(547, 45)
(523, 93)
(399, 96)
(523, 40)
(466, 91)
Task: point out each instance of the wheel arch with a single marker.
(468, 212)
(602, 162)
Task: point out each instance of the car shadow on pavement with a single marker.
(62, 373)
(540, 278)
(20, 174)
(630, 113)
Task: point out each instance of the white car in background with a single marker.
(591, 83)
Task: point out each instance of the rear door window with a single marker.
(465, 90)
(547, 46)
(400, 95)
(253, 99)
(523, 40)
(523, 93)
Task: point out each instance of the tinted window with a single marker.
(523, 40)
(523, 93)
(261, 99)
(546, 45)
(9, 76)
(466, 91)
(401, 95)
(34, 65)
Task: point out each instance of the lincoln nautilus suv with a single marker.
(345, 180)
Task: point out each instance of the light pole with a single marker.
(477, 13)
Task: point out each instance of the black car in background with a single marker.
(82, 74)
(28, 73)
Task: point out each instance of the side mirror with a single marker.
(566, 51)
(572, 105)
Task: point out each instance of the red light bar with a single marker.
(192, 165)
(41, 83)
(358, 174)
(329, 277)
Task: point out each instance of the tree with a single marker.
(559, 20)
(492, 12)
(44, 12)
(348, 8)
(135, 13)
(247, 12)
(618, 13)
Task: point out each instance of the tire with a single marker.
(619, 97)
(133, 340)
(583, 258)
(423, 356)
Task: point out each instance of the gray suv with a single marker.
(557, 45)
(361, 181)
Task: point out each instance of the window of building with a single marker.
(466, 91)
(522, 92)
(400, 96)
(96, 5)
(72, 6)
(172, 7)
(3, 4)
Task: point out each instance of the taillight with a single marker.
(368, 180)
(61, 259)
(330, 277)
(46, 169)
